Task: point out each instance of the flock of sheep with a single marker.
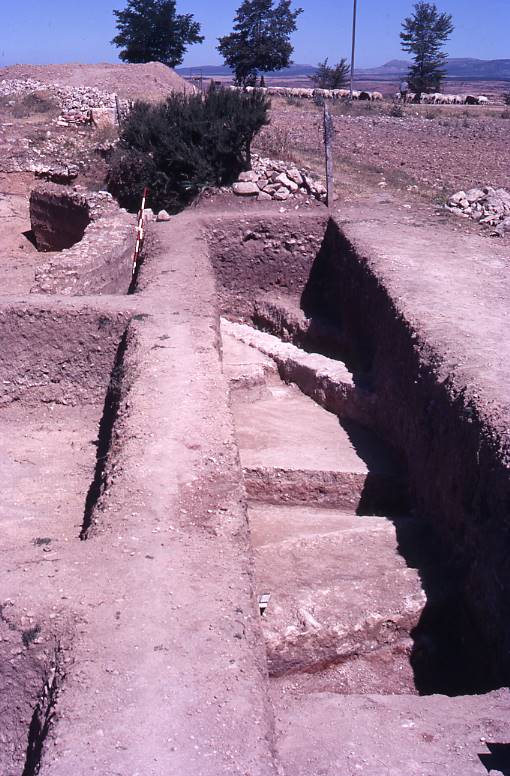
(446, 99)
(343, 94)
(326, 94)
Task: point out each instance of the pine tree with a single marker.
(151, 31)
(423, 35)
(328, 77)
(260, 42)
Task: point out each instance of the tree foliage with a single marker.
(180, 146)
(423, 35)
(335, 77)
(260, 41)
(152, 31)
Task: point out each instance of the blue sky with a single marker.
(41, 31)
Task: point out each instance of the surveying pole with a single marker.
(353, 44)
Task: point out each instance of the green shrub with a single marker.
(506, 98)
(396, 111)
(184, 144)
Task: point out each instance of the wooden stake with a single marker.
(328, 137)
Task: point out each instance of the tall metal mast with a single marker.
(353, 43)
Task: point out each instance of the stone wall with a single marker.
(100, 262)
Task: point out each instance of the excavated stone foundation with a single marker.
(294, 516)
(91, 238)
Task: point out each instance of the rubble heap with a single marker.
(77, 103)
(486, 205)
(276, 180)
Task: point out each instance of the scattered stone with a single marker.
(458, 197)
(277, 180)
(282, 194)
(502, 228)
(284, 180)
(295, 176)
(475, 195)
(245, 188)
(250, 176)
(163, 216)
(487, 206)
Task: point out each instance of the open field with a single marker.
(492, 89)
(431, 151)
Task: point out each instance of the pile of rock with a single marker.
(275, 180)
(487, 205)
(55, 172)
(77, 103)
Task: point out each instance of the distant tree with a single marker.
(423, 35)
(260, 42)
(328, 77)
(152, 31)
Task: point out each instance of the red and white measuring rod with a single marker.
(140, 232)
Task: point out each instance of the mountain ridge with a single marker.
(456, 67)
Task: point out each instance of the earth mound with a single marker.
(151, 81)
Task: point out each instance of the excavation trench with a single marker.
(364, 596)
(61, 379)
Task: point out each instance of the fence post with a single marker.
(328, 137)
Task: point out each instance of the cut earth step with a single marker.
(340, 591)
(292, 451)
(326, 380)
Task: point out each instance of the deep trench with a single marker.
(450, 654)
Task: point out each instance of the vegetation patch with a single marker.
(181, 146)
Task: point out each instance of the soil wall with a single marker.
(93, 238)
(58, 216)
(57, 356)
(256, 255)
(458, 459)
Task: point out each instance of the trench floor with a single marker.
(47, 460)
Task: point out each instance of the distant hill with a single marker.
(469, 69)
(472, 69)
(209, 71)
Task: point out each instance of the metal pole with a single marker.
(328, 152)
(353, 43)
